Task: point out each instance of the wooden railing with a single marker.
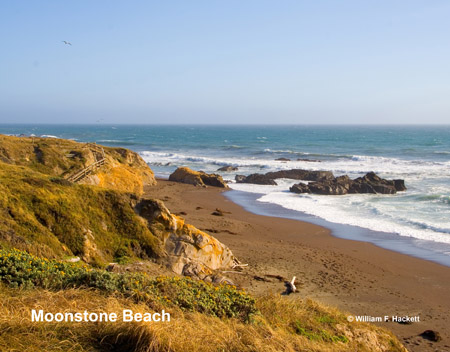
(95, 147)
(87, 171)
(91, 167)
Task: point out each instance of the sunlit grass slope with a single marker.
(49, 216)
(203, 317)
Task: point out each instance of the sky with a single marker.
(211, 61)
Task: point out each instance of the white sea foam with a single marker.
(354, 166)
(342, 210)
(407, 214)
(422, 212)
(48, 136)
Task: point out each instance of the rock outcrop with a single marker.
(122, 170)
(324, 182)
(369, 183)
(258, 179)
(197, 178)
(227, 168)
(56, 217)
(294, 174)
(338, 186)
(188, 250)
(372, 183)
(309, 160)
(282, 159)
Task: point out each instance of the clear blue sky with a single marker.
(227, 61)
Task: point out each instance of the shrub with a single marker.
(21, 269)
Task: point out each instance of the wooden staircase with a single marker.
(100, 160)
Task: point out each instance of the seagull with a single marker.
(66, 42)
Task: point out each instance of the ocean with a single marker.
(414, 222)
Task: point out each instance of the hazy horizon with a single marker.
(245, 124)
(211, 62)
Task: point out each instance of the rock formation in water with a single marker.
(369, 183)
(324, 182)
(227, 168)
(295, 174)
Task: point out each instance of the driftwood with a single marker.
(290, 287)
(239, 265)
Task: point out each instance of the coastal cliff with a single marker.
(118, 168)
(96, 218)
(61, 225)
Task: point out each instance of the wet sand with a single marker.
(357, 277)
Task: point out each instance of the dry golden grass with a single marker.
(282, 325)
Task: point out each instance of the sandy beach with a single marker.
(357, 277)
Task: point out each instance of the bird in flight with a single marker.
(66, 42)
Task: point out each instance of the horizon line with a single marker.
(215, 124)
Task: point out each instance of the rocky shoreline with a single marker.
(354, 276)
(324, 182)
(369, 183)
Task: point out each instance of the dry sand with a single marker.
(357, 277)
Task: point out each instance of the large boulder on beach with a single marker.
(369, 183)
(187, 250)
(197, 178)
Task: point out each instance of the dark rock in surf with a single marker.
(300, 174)
(228, 168)
(337, 186)
(399, 185)
(282, 159)
(240, 178)
(369, 183)
(309, 160)
(372, 183)
(258, 179)
(294, 174)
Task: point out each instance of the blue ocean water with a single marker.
(418, 218)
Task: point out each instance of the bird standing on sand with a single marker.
(66, 42)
